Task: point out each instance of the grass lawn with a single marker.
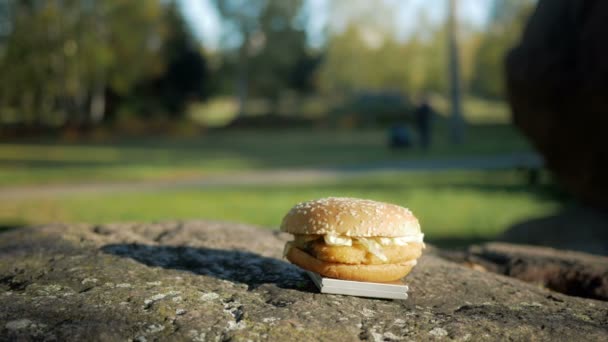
(43, 162)
(451, 205)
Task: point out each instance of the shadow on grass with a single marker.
(6, 226)
(575, 227)
(265, 148)
(542, 191)
(233, 265)
(456, 243)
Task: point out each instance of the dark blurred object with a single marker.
(557, 81)
(578, 228)
(399, 137)
(423, 115)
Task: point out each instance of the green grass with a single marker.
(219, 111)
(450, 205)
(477, 111)
(43, 162)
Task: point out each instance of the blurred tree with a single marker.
(269, 41)
(364, 52)
(361, 51)
(240, 23)
(377, 16)
(281, 46)
(456, 121)
(426, 58)
(61, 56)
(5, 21)
(302, 75)
(507, 20)
(184, 73)
(61, 59)
(123, 45)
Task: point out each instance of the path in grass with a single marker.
(283, 176)
(140, 159)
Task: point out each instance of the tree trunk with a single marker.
(243, 89)
(456, 122)
(243, 77)
(98, 103)
(97, 107)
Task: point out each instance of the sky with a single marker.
(205, 21)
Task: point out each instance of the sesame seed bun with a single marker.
(372, 273)
(350, 217)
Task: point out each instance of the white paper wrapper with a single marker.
(393, 290)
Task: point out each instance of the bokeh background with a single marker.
(238, 109)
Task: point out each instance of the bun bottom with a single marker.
(373, 273)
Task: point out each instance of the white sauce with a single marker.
(372, 244)
(336, 240)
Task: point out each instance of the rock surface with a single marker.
(557, 80)
(205, 281)
(572, 273)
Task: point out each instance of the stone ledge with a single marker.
(569, 272)
(216, 281)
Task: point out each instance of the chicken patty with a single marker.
(358, 254)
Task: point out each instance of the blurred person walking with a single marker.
(423, 115)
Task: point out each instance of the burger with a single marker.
(353, 239)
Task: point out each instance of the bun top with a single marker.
(350, 217)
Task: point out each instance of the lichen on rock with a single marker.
(206, 281)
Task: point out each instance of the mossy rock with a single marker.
(206, 281)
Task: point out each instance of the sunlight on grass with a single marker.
(216, 112)
(476, 110)
(224, 152)
(449, 204)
